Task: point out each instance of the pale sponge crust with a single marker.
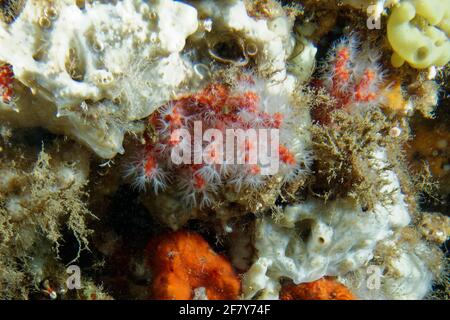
(311, 239)
(90, 71)
(418, 32)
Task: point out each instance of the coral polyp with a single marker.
(206, 140)
(6, 83)
(351, 75)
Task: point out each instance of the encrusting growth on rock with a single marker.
(40, 195)
(182, 262)
(234, 149)
(322, 289)
(345, 164)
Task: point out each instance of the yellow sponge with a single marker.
(418, 31)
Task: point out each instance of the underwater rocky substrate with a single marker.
(96, 96)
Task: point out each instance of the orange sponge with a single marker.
(322, 289)
(183, 261)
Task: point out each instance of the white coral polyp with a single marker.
(126, 52)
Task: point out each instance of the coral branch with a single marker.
(6, 82)
(218, 108)
(351, 77)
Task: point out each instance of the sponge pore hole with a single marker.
(304, 228)
(422, 53)
(439, 43)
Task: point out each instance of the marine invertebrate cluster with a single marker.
(6, 83)
(345, 165)
(229, 135)
(350, 128)
(322, 289)
(427, 24)
(183, 262)
(233, 125)
(351, 76)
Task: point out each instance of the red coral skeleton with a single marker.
(6, 82)
(352, 77)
